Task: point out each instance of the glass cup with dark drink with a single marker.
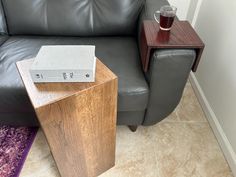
(167, 16)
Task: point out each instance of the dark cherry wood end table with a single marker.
(181, 36)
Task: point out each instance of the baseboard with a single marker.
(226, 147)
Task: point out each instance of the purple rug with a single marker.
(15, 143)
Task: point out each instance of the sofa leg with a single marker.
(133, 128)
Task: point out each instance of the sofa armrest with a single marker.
(167, 75)
(3, 25)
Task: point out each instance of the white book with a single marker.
(64, 63)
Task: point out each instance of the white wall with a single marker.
(216, 74)
(217, 71)
(182, 7)
(193, 6)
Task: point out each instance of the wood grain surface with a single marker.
(181, 36)
(79, 121)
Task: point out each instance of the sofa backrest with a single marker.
(72, 17)
(3, 27)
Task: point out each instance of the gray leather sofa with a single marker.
(113, 26)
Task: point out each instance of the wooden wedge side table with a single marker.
(78, 120)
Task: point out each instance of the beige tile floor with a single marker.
(182, 145)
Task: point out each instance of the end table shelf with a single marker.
(181, 36)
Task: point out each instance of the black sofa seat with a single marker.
(120, 54)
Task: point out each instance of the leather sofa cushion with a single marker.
(72, 17)
(120, 54)
(3, 38)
